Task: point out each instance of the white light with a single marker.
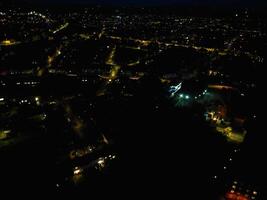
(101, 161)
(230, 159)
(181, 95)
(2, 99)
(76, 171)
(224, 168)
(187, 97)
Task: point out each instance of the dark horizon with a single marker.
(216, 3)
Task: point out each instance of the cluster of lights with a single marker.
(102, 161)
(184, 96)
(236, 193)
(203, 93)
(84, 80)
(225, 167)
(27, 83)
(77, 170)
(24, 101)
(81, 152)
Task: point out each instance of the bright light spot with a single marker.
(7, 42)
(232, 191)
(2, 99)
(181, 95)
(255, 193)
(215, 177)
(242, 94)
(187, 97)
(230, 159)
(113, 157)
(234, 186)
(224, 168)
(77, 171)
(101, 161)
(57, 185)
(235, 182)
(37, 99)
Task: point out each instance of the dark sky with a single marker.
(157, 2)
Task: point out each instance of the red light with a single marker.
(235, 196)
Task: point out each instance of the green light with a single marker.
(181, 95)
(187, 97)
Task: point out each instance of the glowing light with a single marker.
(2, 99)
(255, 193)
(187, 97)
(181, 95)
(101, 161)
(77, 171)
(7, 42)
(175, 88)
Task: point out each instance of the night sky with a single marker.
(156, 2)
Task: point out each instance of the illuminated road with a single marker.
(113, 74)
(221, 87)
(147, 42)
(9, 43)
(61, 28)
(101, 33)
(50, 61)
